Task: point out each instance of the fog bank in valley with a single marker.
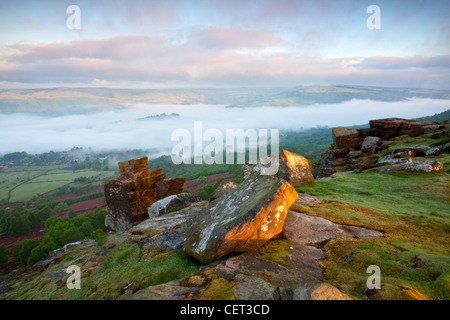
(122, 129)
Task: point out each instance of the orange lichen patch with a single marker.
(326, 291)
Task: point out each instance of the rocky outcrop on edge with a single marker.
(353, 148)
(130, 194)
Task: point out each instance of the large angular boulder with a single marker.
(129, 195)
(293, 168)
(242, 220)
(345, 138)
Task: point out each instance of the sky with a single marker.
(224, 43)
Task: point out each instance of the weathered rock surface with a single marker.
(345, 138)
(167, 291)
(435, 151)
(390, 159)
(433, 128)
(323, 291)
(418, 166)
(251, 265)
(404, 154)
(130, 194)
(418, 150)
(170, 229)
(354, 154)
(224, 187)
(309, 230)
(171, 204)
(393, 127)
(304, 198)
(254, 288)
(167, 221)
(292, 167)
(242, 220)
(369, 143)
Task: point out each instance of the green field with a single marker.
(18, 184)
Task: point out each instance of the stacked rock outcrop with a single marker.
(353, 148)
(129, 195)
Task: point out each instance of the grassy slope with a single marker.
(413, 212)
(124, 270)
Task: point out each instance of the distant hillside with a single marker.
(302, 96)
(60, 101)
(439, 117)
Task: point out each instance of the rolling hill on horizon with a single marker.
(60, 101)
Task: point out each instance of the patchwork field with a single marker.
(19, 184)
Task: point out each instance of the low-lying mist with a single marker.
(121, 129)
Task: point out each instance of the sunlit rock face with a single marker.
(242, 220)
(293, 168)
(129, 195)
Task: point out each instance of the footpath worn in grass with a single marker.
(413, 212)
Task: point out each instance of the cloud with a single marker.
(211, 56)
(121, 129)
(402, 63)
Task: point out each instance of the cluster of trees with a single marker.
(39, 159)
(61, 231)
(17, 221)
(95, 164)
(71, 189)
(84, 179)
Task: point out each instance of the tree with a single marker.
(206, 191)
(15, 222)
(45, 213)
(60, 206)
(71, 214)
(41, 251)
(22, 250)
(201, 179)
